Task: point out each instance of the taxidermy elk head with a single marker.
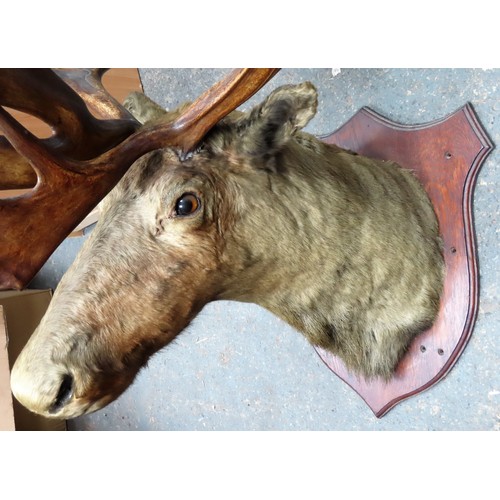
(344, 248)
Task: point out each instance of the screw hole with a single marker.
(453, 250)
(448, 155)
(440, 351)
(423, 348)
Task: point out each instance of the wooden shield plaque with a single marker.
(446, 156)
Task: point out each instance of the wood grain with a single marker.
(446, 156)
(15, 170)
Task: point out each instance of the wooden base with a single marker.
(446, 156)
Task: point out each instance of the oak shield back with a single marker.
(446, 156)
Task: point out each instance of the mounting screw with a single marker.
(453, 250)
(440, 351)
(448, 155)
(422, 348)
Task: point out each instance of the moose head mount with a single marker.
(343, 247)
(260, 212)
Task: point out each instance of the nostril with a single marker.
(64, 394)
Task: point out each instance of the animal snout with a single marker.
(46, 392)
(44, 387)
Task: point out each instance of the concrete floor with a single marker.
(237, 367)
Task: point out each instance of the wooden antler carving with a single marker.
(85, 157)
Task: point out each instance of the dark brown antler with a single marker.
(86, 156)
(63, 99)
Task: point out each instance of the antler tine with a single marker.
(30, 147)
(43, 93)
(78, 135)
(87, 83)
(224, 97)
(187, 130)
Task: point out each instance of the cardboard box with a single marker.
(6, 409)
(20, 313)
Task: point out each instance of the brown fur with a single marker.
(344, 248)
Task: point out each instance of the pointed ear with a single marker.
(145, 110)
(142, 108)
(270, 125)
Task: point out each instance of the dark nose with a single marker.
(64, 395)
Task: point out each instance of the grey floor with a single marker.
(238, 367)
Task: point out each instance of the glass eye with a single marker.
(187, 204)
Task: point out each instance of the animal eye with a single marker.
(187, 204)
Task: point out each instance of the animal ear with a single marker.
(269, 126)
(142, 108)
(145, 110)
